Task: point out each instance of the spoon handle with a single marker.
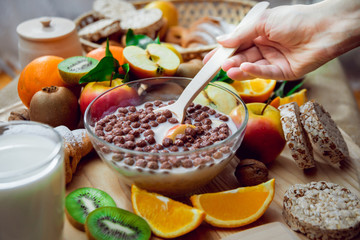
(210, 69)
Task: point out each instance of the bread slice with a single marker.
(115, 9)
(100, 29)
(322, 210)
(146, 21)
(324, 132)
(296, 138)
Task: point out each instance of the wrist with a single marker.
(340, 22)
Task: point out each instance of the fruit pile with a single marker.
(95, 212)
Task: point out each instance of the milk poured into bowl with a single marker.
(32, 188)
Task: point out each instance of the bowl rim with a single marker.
(134, 152)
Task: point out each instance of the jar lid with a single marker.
(45, 28)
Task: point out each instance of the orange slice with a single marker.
(299, 97)
(237, 207)
(167, 218)
(256, 90)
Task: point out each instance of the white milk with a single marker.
(32, 188)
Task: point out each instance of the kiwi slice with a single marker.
(112, 223)
(82, 201)
(73, 68)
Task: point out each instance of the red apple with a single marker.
(109, 102)
(264, 138)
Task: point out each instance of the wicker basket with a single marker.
(232, 11)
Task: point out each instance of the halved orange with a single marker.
(256, 90)
(237, 207)
(167, 218)
(299, 97)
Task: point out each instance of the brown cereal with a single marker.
(152, 165)
(165, 165)
(173, 120)
(129, 161)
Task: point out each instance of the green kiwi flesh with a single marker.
(112, 223)
(82, 201)
(73, 68)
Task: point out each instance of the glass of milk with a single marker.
(32, 181)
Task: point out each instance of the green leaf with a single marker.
(139, 39)
(126, 76)
(280, 91)
(295, 88)
(103, 71)
(222, 76)
(107, 50)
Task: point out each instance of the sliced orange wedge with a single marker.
(237, 207)
(299, 97)
(167, 218)
(256, 90)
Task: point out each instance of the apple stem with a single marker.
(267, 104)
(111, 78)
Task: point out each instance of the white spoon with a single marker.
(210, 69)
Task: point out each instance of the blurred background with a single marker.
(13, 12)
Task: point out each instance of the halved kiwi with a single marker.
(82, 201)
(73, 68)
(112, 223)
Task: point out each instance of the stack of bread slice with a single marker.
(308, 126)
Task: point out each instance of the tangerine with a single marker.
(39, 73)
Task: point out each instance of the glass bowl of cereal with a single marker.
(151, 148)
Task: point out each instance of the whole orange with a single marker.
(116, 51)
(168, 9)
(39, 73)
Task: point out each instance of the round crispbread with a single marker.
(323, 132)
(322, 210)
(113, 8)
(146, 21)
(100, 29)
(296, 138)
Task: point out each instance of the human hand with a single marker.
(285, 43)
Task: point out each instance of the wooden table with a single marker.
(329, 79)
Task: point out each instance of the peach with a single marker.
(176, 130)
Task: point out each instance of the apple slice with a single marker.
(176, 130)
(218, 98)
(156, 60)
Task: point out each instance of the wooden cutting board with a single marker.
(274, 230)
(92, 172)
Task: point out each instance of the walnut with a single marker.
(21, 114)
(250, 172)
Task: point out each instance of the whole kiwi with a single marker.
(55, 106)
(114, 223)
(189, 69)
